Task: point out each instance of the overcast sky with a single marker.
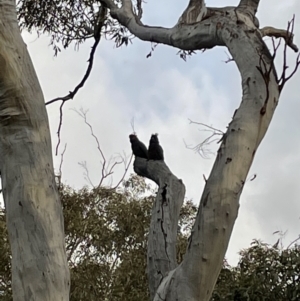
(162, 93)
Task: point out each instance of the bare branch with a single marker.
(201, 147)
(289, 36)
(97, 37)
(86, 173)
(107, 166)
(125, 171)
(59, 175)
(280, 33)
(293, 242)
(59, 126)
(83, 114)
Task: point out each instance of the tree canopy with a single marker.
(106, 241)
(70, 21)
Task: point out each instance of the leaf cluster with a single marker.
(106, 241)
(106, 233)
(264, 273)
(67, 21)
(5, 261)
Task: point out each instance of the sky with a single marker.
(162, 93)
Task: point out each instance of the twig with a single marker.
(82, 114)
(59, 176)
(59, 126)
(107, 166)
(283, 79)
(71, 94)
(125, 172)
(97, 37)
(132, 125)
(208, 126)
(281, 33)
(294, 241)
(86, 174)
(199, 148)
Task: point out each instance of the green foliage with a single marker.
(5, 261)
(264, 273)
(68, 21)
(106, 238)
(106, 242)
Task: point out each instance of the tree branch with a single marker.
(194, 12)
(280, 33)
(97, 37)
(164, 219)
(186, 37)
(219, 203)
(249, 5)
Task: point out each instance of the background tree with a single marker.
(264, 272)
(106, 242)
(198, 28)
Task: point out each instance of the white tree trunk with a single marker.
(237, 29)
(34, 213)
(33, 209)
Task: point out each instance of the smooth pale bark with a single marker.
(237, 29)
(161, 255)
(33, 209)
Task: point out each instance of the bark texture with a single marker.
(161, 256)
(33, 209)
(200, 28)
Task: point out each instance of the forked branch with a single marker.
(182, 37)
(108, 166)
(161, 255)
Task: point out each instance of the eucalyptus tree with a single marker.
(34, 214)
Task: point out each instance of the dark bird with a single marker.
(155, 151)
(138, 148)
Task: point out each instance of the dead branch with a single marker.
(97, 37)
(280, 33)
(293, 242)
(59, 126)
(126, 166)
(83, 114)
(86, 174)
(107, 166)
(59, 175)
(201, 147)
(284, 78)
